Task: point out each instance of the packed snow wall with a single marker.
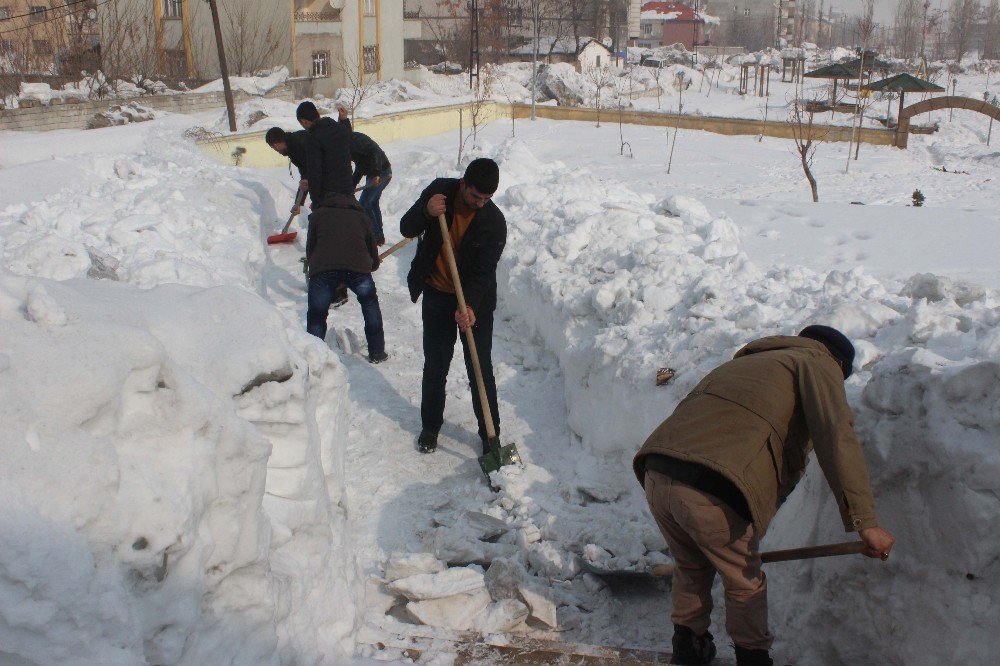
(172, 440)
(617, 285)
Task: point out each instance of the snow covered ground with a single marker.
(193, 479)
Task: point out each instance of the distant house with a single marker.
(665, 23)
(594, 54)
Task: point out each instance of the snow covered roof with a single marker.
(548, 44)
(674, 11)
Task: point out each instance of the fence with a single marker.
(76, 115)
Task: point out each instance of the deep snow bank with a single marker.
(174, 454)
(617, 285)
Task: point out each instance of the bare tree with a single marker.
(128, 46)
(962, 17)
(991, 31)
(254, 36)
(602, 78)
(497, 76)
(807, 139)
(480, 102)
(865, 24)
(907, 27)
(358, 88)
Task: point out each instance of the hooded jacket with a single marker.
(477, 256)
(756, 418)
(340, 237)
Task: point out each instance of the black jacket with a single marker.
(340, 237)
(328, 160)
(296, 142)
(368, 157)
(477, 256)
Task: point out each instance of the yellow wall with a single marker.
(383, 129)
(427, 122)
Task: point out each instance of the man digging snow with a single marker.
(478, 231)
(716, 471)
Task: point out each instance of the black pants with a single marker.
(440, 331)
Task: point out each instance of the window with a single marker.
(37, 13)
(320, 60)
(4, 13)
(41, 47)
(647, 29)
(371, 59)
(6, 46)
(370, 7)
(173, 8)
(597, 61)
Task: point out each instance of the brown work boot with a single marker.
(759, 657)
(691, 650)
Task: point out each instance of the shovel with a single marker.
(285, 236)
(498, 455)
(806, 553)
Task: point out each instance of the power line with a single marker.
(74, 2)
(58, 17)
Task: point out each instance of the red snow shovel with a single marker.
(498, 455)
(285, 236)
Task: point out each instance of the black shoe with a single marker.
(340, 297)
(689, 649)
(745, 657)
(377, 358)
(427, 442)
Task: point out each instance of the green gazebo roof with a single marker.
(834, 71)
(903, 83)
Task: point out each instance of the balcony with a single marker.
(326, 15)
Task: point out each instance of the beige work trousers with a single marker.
(706, 537)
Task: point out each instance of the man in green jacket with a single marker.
(716, 471)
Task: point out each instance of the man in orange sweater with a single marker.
(478, 232)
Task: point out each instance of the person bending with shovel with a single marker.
(478, 233)
(716, 471)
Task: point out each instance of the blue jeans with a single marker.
(369, 202)
(323, 287)
(440, 331)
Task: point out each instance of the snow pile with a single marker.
(176, 451)
(252, 85)
(137, 527)
(161, 217)
(120, 114)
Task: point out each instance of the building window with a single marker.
(647, 29)
(369, 8)
(4, 13)
(6, 46)
(41, 47)
(37, 13)
(371, 59)
(597, 61)
(320, 61)
(173, 8)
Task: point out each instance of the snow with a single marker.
(253, 85)
(193, 479)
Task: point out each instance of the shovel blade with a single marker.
(282, 238)
(498, 456)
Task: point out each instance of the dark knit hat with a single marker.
(307, 111)
(483, 174)
(836, 342)
(275, 135)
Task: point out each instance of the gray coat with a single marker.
(340, 237)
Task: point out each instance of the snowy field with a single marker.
(190, 478)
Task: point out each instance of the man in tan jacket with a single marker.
(716, 471)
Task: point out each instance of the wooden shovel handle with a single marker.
(300, 198)
(809, 552)
(449, 253)
(394, 248)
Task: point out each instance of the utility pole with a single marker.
(230, 108)
(923, 32)
(536, 9)
(473, 43)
